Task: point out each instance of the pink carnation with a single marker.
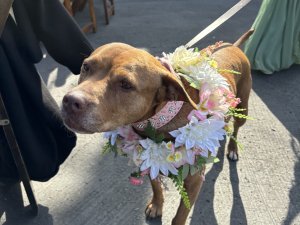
(212, 100)
(136, 181)
(235, 102)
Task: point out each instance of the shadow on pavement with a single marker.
(156, 221)
(204, 206)
(238, 214)
(280, 92)
(294, 195)
(15, 211)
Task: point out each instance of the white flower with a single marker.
(112, 135)
(203, 72)
(135, 158)
(187, 156)
(182, 57)
(155, 157)
(204, 134)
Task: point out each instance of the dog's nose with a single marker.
(74, 103)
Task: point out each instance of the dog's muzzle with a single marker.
(74, 109)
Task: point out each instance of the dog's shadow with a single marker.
(155, 221)
(204, 207)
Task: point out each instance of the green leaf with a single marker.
(159, 138)
(216, 160)
(236, 109)
(108, 147)
(242, 116)
(193, 82)
(194, 85)
(193, 170)
(228, 71)
(188, 78)
(239, 144)
(185, 171)
(152, 133)
(177, 180)
(235, 112)
(212, 159)
(201, 161)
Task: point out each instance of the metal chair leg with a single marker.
(16, 153)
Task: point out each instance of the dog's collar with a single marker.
(161, 118)
(168, 112)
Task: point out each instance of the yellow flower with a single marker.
(139, 148)
(169, 145)
(228, 127)
(178, 156)
(213, 64)
(171, 158)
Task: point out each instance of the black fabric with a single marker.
(43, 139)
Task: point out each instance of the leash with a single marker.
(223, 18)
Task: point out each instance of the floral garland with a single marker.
(195, 143)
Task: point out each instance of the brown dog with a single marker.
(120, 85)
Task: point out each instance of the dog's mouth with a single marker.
(76, 127)
(75, 124)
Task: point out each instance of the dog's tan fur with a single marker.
(120, 85)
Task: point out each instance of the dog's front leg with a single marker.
(192, 186)
(154, 208)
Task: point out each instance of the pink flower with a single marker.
(212, 101)
(231, 99)
(136, 181)
(128, 134)
(129, 143)
(235, 102)
(145, 172)
(198, 114)
(166, 63)
(205, 94)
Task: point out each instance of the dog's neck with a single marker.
(178, 120)
(162, 117)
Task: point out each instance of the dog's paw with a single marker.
(233, 156)
(153, 210)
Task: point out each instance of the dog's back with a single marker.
(231, 58)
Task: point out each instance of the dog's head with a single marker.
(118, 85)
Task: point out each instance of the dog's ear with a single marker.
(173, 90)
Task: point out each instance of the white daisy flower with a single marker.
(203, 72)
(182, 57)
(154, 157)
(204, 134)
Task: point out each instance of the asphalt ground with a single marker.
(262, 188)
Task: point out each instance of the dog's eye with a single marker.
(85, 67)
(126, 85)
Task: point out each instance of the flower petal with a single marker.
(189, 143)
(154, 171)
